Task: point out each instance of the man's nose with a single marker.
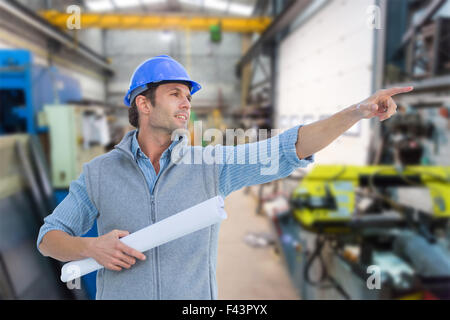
(186, 104)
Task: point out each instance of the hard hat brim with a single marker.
(132, 94)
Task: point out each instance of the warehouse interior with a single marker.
(368, 220)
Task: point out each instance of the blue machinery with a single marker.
(24, 90)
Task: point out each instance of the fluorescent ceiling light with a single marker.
(126, 3)
(192, 2)
(135, 3)
(238, 8)
(152, 1)
(99, 5)
(109, 5)
(221, 5)
(166, 35)
(216, 4)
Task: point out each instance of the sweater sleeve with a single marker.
(260, 162)
(75, 215)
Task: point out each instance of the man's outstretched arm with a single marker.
(316, 136)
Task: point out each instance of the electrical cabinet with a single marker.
(77, 135)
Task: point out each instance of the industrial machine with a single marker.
(25, 199)
(77, 135)
(40, 105)
(26, 87)
(361, 233)
(381, 231)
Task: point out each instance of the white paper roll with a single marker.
(187, 221)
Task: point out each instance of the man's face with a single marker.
(172, 107)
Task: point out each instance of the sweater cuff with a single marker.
(288, 140)
(42, 232)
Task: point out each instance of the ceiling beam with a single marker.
(432, 8)
(33, 20)
(161, 21)
(279, 23)
(260, 7)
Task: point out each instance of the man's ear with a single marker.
(143, 104)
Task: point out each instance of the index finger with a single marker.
(131, 252)
(398, 90)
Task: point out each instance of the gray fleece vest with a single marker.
(184, 268)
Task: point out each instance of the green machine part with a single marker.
(216, 33)
(326, 196)
(193, 117)
(68, 153)
(11, 172)
(63, 137)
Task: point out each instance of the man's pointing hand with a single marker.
(381, 104)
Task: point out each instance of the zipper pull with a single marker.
(152, 204)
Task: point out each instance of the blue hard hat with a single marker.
(157, 69)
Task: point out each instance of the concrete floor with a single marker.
(245, 272)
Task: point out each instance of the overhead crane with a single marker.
(160, 21)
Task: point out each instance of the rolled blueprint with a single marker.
(185, 222)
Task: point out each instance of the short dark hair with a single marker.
(150, 93)
(133, 113)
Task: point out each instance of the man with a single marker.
(146, 178)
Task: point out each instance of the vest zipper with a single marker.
(152, 197)
(153, 215)
(152, 201)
